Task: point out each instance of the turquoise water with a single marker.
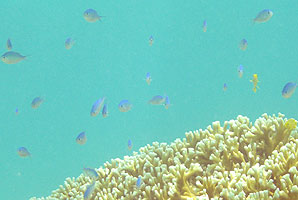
(111, 58)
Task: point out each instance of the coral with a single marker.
(238, 160)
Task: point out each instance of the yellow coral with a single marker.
(291, 124)
(238, 161)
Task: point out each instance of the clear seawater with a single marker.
(111, 58)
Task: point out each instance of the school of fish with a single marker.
(125, 105)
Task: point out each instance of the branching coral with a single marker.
(237, 161)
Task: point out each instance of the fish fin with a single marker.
(73, 41)
(147, 82)
(164, 97)
(99, 17)
(253, 21)
(25, 57)
(167, 107)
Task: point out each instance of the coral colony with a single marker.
(238, 160)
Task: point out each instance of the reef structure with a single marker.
(238, 161)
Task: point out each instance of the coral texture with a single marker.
(238, 160)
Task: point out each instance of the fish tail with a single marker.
(25, 57)
(253, 21)
(99, 17)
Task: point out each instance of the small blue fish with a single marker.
(23, 152)
(205, 26)
(263, 16)
(81, 138)
(89, 191)
(151, 40)
(289, 89)
(243, 44)
(91, 173)
(12, 57)
(240, 71)
(157, 100)
(148, 78)
(36, 102)
(8, 45)
(105, 111)
(17, 111)
(225, 87)
(91, 15)
(129, 144)
(167, 102)
(139, 182)
(96, 107)
(69, 42)
(124, 105)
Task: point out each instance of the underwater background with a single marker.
(111, 58)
